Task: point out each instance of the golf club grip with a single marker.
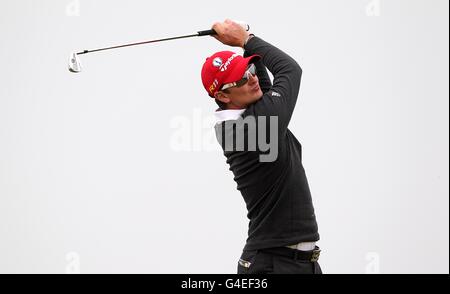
(207, 33)
(213, 32)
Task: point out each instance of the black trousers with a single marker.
(278, 261)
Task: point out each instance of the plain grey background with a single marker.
(107, 171)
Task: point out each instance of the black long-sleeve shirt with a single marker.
(276, 193)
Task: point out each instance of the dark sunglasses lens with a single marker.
(241, 82)
(252, 70)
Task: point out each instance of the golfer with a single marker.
(282, 231)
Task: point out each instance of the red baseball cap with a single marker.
(222, 68)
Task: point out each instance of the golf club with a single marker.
(75, 63)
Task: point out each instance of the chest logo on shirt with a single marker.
(275, 94)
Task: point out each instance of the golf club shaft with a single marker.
(199, 34)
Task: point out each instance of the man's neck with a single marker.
(234, 107)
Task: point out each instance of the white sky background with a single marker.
(91, 179)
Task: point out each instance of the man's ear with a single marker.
(222, 97)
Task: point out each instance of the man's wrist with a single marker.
(248, 39)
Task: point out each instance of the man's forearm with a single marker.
(261, 71)
(279, 63)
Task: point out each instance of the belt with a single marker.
(311, 256)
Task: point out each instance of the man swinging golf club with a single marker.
(282, 231)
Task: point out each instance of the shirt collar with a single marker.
(230, 114)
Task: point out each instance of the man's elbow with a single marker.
(298, 69)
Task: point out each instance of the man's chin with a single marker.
(259, 96)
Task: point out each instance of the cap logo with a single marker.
(217, 62)
(213, 86)
(224, 67)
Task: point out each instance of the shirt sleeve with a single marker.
(281, 98)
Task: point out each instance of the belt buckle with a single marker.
(315, 255)
(244, 263)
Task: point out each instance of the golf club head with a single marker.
(74, 63)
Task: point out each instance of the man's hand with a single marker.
(230, 33)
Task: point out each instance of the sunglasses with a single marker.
(251, 70)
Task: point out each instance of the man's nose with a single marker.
(252, 79)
